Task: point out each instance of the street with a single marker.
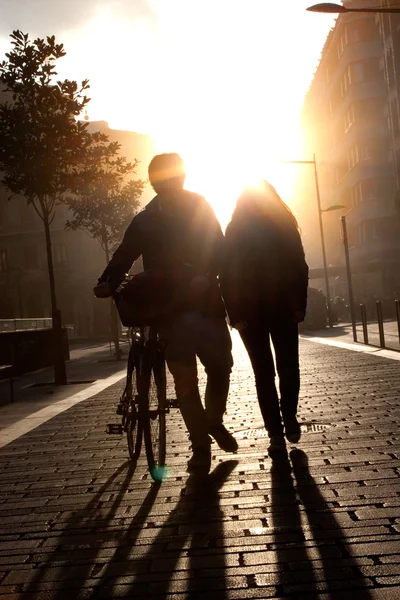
(322, 522)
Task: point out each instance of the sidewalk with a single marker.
(77, 522)
(344, 333)
(88, 365)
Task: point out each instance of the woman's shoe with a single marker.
(292, 430)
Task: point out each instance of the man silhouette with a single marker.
(178, 232)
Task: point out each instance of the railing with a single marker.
(22, 324)
(40, 323)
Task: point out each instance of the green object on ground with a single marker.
(160, 473)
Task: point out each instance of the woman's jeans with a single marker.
(284, 335)
(189, 336)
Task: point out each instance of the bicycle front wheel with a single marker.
(154, 416)
(134, 434)
(132, 423)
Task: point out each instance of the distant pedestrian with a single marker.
(264, 283)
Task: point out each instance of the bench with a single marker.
(7, 371)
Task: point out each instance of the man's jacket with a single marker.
(187, 241)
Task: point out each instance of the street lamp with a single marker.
(330, 7)
(333, 207)
(321, 228)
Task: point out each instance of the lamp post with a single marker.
(321, 228)
(330, 7)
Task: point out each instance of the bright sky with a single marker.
(220, 81)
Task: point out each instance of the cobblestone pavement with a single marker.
(77, 522)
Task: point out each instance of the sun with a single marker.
(220, 182)
(222, 160)
(222, 174)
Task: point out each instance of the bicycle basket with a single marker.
(145, 298)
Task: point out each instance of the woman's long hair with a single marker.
(263, 203)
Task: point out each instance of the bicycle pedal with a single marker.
(172, 403)
(114, 429)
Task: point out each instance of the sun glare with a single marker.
(221, 170)
(210, 80)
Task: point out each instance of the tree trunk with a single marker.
(113, 315)
(60, 375)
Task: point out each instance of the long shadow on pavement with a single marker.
(78, 567)
(287, 525)
(175, 557)
(336, 569)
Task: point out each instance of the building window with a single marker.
(30, 257)
(371, 230)
(3, 260)
(358, 72)
(367, 231)
(342, 42)
(390, 70)
(356, 194)
(355, 35)
(372, 70)
(394, 120)
(353, 156)
(345, 82)
(60, 255)
(340, 171)
(370, 189)
(364, 152)
(349, 118)
(360, 233)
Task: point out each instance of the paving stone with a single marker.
(76, 515)
(388, 580)
(375, 548)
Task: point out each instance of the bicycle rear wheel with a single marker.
(154, 381)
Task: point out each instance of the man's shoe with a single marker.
(200, 462)
(224, 439)
(292, 430)
(277, 444)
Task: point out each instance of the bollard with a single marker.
(397, 303)
(364, 322)
(380, 324)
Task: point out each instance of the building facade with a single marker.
(78, 259)
(346, 125)
(389, 29)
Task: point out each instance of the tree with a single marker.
(104, 200)
(42, 143)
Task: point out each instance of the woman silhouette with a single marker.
(264, 284)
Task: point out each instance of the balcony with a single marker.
(362, 170)
(370, 210)
(375, 250)
(360, 131)
(358, 91)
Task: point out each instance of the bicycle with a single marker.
(143, 405)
